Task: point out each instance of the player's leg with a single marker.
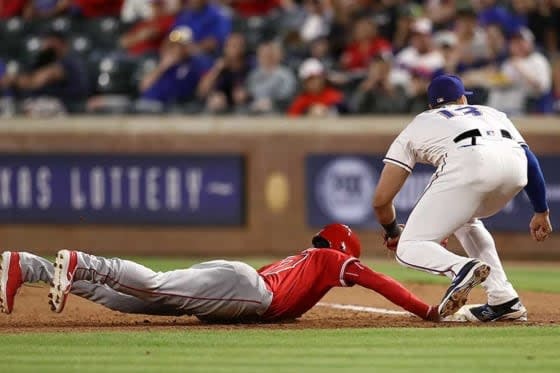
(22, 267)
(216, 289)
(17, 268)
(478, 243)
(437, 215)
(116, 301)
(503, 301)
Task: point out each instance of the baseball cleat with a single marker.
(472, 274)
(64, 268)
(10, 280)
(513, 310)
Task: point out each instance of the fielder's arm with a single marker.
(390, 183)
(540, 226)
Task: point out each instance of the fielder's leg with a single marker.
(478, 243)
(448, 202)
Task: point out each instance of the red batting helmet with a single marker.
(338, 237)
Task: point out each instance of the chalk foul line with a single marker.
(351, 307)
(458, 317)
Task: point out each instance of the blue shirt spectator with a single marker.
(178, 72)
(209, 24)
(179, 82)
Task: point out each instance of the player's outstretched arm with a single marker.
(540, 226)
(357, 273)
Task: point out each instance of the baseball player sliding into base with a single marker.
(217, 291)
(481, 163)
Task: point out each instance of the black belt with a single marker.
(473, 134)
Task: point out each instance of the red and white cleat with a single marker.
(64, 269)
(10, 280)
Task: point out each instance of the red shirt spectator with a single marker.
(328, 98)
(317, 98)
(366, 45)
(11, 8)
(147, 35)
(99, 8)
(157, 29)
(250, 8)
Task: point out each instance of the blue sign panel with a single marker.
(341, 187)
(122, 189)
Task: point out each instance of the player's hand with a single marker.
(391, 243)
(540, 226)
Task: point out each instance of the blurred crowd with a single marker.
(260, 57)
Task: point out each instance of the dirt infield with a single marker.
(32, 314)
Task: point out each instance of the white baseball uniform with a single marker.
(480, 167)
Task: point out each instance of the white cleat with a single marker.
(64, 268)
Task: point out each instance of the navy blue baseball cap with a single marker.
(446, 88)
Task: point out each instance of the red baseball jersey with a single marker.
(300, 281)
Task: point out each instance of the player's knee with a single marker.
(402, 248)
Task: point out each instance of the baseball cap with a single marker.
(311, 67)
(446, 88)
(181, 35)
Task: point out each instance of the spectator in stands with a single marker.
(556, 86)
(11, 8)
(96, 8)
(441, 12)
(39, 9)
(7, 107)
(270, 85)
(223, 87)
(378, 93)
(471, 38)
(147, 35)
(491, 12)
(416, 64)
(56, 74)
(366, 43)
(209, 24)
(176, 77)
(498, 49)
(316, 22)
(252, 8)
(317, 98)
(524, 76)
(138, 10)
(320, 49)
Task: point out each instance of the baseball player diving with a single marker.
(481, 163)
(216, 291)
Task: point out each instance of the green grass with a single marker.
(518, 349)
(524, 277)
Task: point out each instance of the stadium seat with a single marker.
(80, 44)
(104, 32)
(12, 32)
(114, 76)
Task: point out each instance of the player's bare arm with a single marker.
(539, 227)
(390, 183)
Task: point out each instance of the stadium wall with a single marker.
(276, 191)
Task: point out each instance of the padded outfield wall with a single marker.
(219, 186)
